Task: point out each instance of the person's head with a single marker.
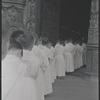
(45, 41)
(66, 41)
(39, 41)
(28, 41)
(30, 25)
(16, 49)
(49, 44)
(17, 35)
(58, 41)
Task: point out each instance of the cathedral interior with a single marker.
(57, 19)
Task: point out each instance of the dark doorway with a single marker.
(74, 19)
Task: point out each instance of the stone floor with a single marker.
(74, 87)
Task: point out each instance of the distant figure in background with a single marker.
(84, 53)
(75, 55)
(69, 58)
(79, 54)
(59, 60)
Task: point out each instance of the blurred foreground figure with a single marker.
(16, 81)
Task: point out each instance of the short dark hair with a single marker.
(16, 34)
(27, 41)
(15, 45)
(45, 41)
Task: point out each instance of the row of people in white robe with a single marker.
(69, 57)
(45, 64)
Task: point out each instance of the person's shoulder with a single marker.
(25, 63)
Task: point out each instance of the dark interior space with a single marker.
(74, 19)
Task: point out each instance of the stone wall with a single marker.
(50, 13)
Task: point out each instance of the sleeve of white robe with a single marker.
(45, 62)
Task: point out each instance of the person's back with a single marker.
(16, 81)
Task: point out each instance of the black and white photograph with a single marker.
(50, 50)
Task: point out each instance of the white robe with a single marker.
(84, 53)
(35, 62)
(16, 83)
(47, 75)
(53, 68)
(68, 52)
(59, 60)
(79, 60)
(75, 57)
(39, 80)
(81, 56)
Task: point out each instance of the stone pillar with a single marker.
(92, 46)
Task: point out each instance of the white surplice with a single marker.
(35, 62)
(39, 80)
(80, 50)
(79, 60)
(68, 52)
(59, 60)
(16, 82)
(84, 53)
(75, 57)
(53, 68)
(47, 75)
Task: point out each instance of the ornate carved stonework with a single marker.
(30, 16)
(92, 46)
(94, 27)
(12, 13)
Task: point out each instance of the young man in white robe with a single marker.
(75, 56)
(16, 81)
(84, 53)
(69, 58)
(79, 60)
(53, 62)
(59, 60)
(42, 68)
(47, 75)
(51, 56)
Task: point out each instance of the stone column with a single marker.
(91, 72)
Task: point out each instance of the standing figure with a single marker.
(68, 52)
(59, 60)
(16, 76)
(84, 53)
(47, 75)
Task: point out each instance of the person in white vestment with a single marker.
(47, 75)
(79, 60)
(16, 81)
(28, 43)
(42, 68)
(84, 53)
(75, 56)
(53, 63)
(51, 56)
(59, 59)
(68, 52)
(81, 54)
